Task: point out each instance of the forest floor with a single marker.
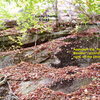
(50, 71)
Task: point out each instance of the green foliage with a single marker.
(88, 9)
(26, 15)
(6, 12)
(18, 40)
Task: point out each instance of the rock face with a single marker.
(68, 86)
(28, 39)
(36, 54)
(57, 53)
